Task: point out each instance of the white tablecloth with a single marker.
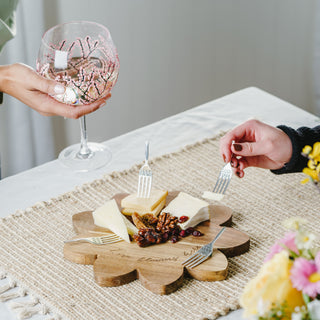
(168, 135)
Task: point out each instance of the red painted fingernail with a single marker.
(237, 147)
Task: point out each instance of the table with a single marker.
(51, 179)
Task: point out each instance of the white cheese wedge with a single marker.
(131, 228)
(212, 196)
(155, 212)
(109, 216)
(195, 209)
(146, 204)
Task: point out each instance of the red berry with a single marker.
(189, 230)
(197, 233)
(183, 219)
(174, 239)
(183, 233)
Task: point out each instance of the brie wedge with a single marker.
(109, 216)
(195, 209)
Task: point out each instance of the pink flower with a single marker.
(288, 241)
(305, 275)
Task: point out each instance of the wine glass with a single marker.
(82, 56)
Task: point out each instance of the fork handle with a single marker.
(217, 236)
(74, 240)
(147, 151)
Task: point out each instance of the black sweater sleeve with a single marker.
(299, 138)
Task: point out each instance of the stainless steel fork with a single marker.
(203, 253)
(145, 177)
(223, 179)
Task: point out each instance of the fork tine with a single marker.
(199, 261)
(223, 179)
(139, 186)
(191, 258)
(226, 186)
(222, 185)
(195, 259)
(110, 237)
(145, 190)
(143, 185)
(218, 184)
(148, 188)
(110, 241)
(145, 176)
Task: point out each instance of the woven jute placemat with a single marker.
(31, 242)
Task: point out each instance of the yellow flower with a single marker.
(271, 285)
(306, 150)
(311, 173)
(304, 181)
(316, 150)
(311, 165)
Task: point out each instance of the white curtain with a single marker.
(316, 64)
(26, 138)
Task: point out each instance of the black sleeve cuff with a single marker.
(1, 97)
(297, 161)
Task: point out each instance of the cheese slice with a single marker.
(109, 216)
(131, 228)
(155, 212)
(212, 196)
(195, 209)
(146, 204)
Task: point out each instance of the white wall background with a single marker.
(176, 54)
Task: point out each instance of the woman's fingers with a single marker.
(48, 106)
(249, 149)
(37, 92)
(76, 112)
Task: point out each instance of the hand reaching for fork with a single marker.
(256, 145)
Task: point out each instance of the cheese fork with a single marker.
(203, 253)
(145, 177)
(223, 179)
(112, 238)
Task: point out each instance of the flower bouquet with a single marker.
(287, 286)
(313, 168)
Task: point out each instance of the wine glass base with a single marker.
(100, 156)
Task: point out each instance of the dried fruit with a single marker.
(183, 233)
(174, 239)
(149, 220)
(153, 230)
(137, 220)
(183, 219)
(189, 230)
(197, 233)
(147, 236)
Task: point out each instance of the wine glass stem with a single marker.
(84, 151)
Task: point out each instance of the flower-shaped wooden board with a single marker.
(158, 267)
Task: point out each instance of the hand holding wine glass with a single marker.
(37, 91)
(82, 56)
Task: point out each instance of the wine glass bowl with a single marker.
(82, 56)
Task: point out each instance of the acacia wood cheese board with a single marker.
(158, 267)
